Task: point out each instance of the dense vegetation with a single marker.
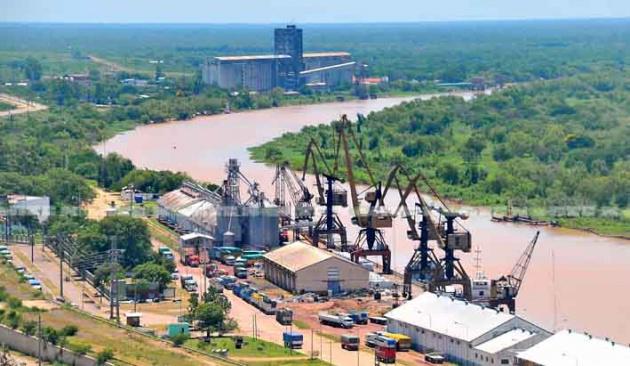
(522, 50)
(561, 142)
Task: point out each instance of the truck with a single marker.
(184, 278)
(211, 270)
(350, 342)
(370, 339)
(240, 272)
(335, 320)
(166, 252)
(284, 316)
(359, 317)
(238, 287)
(403, 342)
(219, 252)
(188, 283)
(292, 339)
(190, 257)
(385, 349)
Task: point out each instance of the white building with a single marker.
(301, 267)
(33, 205)
(568, 348)
(463, 332)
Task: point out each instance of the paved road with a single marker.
(21, 105)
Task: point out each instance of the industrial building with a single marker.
(251, 223)
(568, 348)
(465, 333)
(18, 204)
(300, 267)
(288, 67)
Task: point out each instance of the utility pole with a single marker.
(113, 287)
(32, 240)
(61, 255)
(39, 339)
(312, 336)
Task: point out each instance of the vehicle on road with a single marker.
(403, 342)
(292, 340)
(335, 320)
(284, 316)
(370, 340)
(240, 272)
(434, 358)
(350, 342)
(378, 320)
(229, 260)
(385, 349)
(35, 284)
(359, 317)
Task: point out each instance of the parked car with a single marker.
(434, 358)
(35, 284)
(20, 270)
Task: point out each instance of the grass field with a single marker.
(251, 348)
(315, 362)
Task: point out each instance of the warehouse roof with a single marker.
(505, 340)
(251, 57)
(191, 236)
(328, 68)
(567, 348)
(299, 255)
(448, 316)
(325, 54)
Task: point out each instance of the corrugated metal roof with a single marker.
(203, 213)
(191, 236)
(326, 54)
(505, 340)
(299, 255)
(176, 200)
(448, 316)
(327, 68)
(251, 57)
(567, 348)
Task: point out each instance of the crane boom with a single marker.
(520, 268)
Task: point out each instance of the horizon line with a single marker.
(393, 22)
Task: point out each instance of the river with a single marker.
(576, 280)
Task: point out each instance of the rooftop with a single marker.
(251, 57)
(325, 54)
(567, 348)
(505, 340)
(191, 236)
(327, 68)
(445, 315)
(299, 255)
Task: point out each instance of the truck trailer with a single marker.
(336, 320)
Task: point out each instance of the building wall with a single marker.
(255, 75)
(315, 277)
(454, 349)
(323, 61)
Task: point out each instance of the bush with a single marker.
(80, 348)
(14, 303)
(29, 327)
(69, 330)
(50, 334)
(179, 339)
(104, 356)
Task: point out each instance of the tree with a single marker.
(131, 235)
(104, 356)
(152, 272)
(210, 317)
(32, 69)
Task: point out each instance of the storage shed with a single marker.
(569, 348)
(300, 267)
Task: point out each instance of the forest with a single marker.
(447, 51)
(545, 144)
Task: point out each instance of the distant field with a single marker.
(516, 50)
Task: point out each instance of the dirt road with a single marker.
(21, 105)
(96, 209)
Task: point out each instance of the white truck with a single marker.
(340, 321)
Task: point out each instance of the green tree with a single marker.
(152, 272)
(32, 69)
(210, 317)
(131, 235)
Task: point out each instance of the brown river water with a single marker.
(575, 280)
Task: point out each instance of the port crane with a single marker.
(503, 291)
(331, 195)
(287, 183)
(370, 241)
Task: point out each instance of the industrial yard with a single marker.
(286, 183)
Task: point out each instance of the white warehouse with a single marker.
(465, 333)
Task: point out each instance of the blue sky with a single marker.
(302, 11)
